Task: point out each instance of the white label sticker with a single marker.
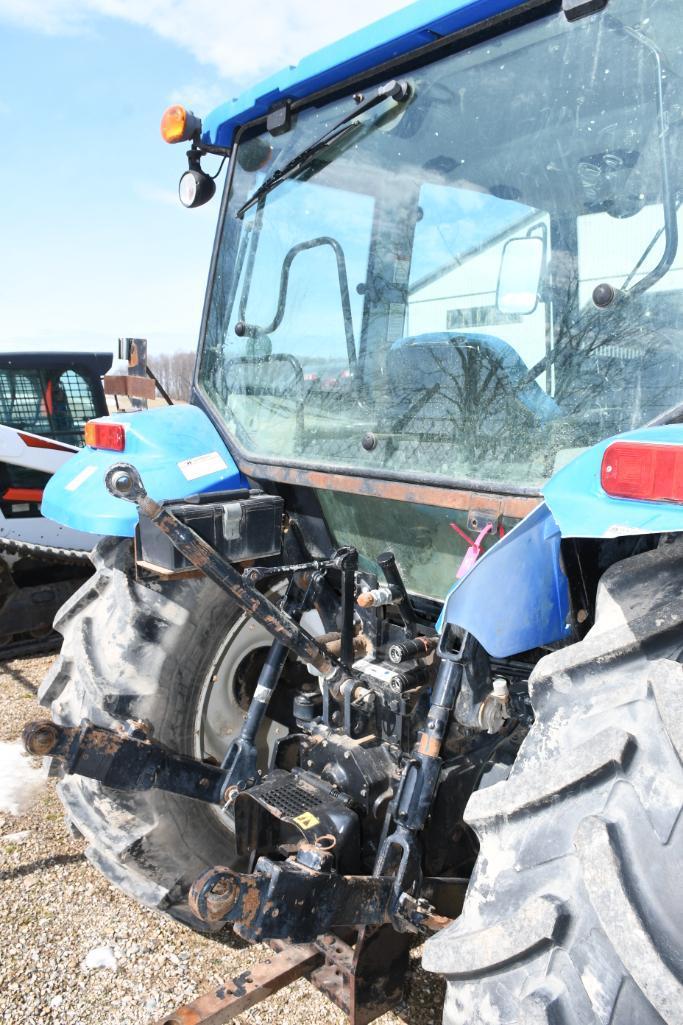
(202, 466)
(80, 478)
(364, 665)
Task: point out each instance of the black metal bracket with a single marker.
(575, 9)
(257, 903)
(124, 761)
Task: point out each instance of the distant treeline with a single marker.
(174, 370)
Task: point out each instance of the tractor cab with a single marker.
(459, 276)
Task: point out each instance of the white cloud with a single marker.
(200, 96)
(241, 44)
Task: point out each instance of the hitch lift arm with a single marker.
(124, 481)
(124, 762)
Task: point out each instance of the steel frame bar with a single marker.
(249, 988)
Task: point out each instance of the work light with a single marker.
(196, 188)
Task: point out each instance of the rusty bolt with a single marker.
(40, 738)
(139, 728)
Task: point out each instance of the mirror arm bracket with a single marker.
(575, 9)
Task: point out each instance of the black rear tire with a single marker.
(144, 651)
(573, 914)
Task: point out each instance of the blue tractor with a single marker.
(385, 638)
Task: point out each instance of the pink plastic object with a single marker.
(474, 550)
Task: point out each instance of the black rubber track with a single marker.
(574, 914)
(134, 651)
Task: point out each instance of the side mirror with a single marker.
(519, 276)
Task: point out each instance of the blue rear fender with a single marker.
(517, 596)
(176, 450)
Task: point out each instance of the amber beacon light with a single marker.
(179, 125)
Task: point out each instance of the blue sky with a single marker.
(94, 242)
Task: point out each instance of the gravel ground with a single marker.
(56, 909)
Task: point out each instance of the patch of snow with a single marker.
(100, 957)
(21, 783)
(20, 837)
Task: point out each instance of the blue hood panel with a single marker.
(177, 451)
(391, 37)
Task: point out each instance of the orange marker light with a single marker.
(179, 125)
(105, 435)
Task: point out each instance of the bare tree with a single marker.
(174, 370)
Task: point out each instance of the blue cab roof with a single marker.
(408, 29)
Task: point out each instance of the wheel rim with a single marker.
(222, 704)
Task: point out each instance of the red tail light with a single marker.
(23, 495)
(105, 435)
(653, 473)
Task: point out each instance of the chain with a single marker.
(46, 553)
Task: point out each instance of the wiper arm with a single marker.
(394, 90)
(669, 416)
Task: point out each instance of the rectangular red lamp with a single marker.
(105, 435)
(651, 473)
(23, 495)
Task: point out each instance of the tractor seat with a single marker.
(472, 377)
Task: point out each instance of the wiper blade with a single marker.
(394, 90)
(669, 416)
(295, 165)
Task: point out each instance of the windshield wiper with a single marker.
(669, 416)
(393, 90)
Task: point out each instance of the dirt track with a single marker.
(55, 908)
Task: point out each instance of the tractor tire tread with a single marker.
(117, 662)
(589, 821)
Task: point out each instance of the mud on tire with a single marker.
(136, 651)
(573, 914)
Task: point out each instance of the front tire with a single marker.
(573, 914)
